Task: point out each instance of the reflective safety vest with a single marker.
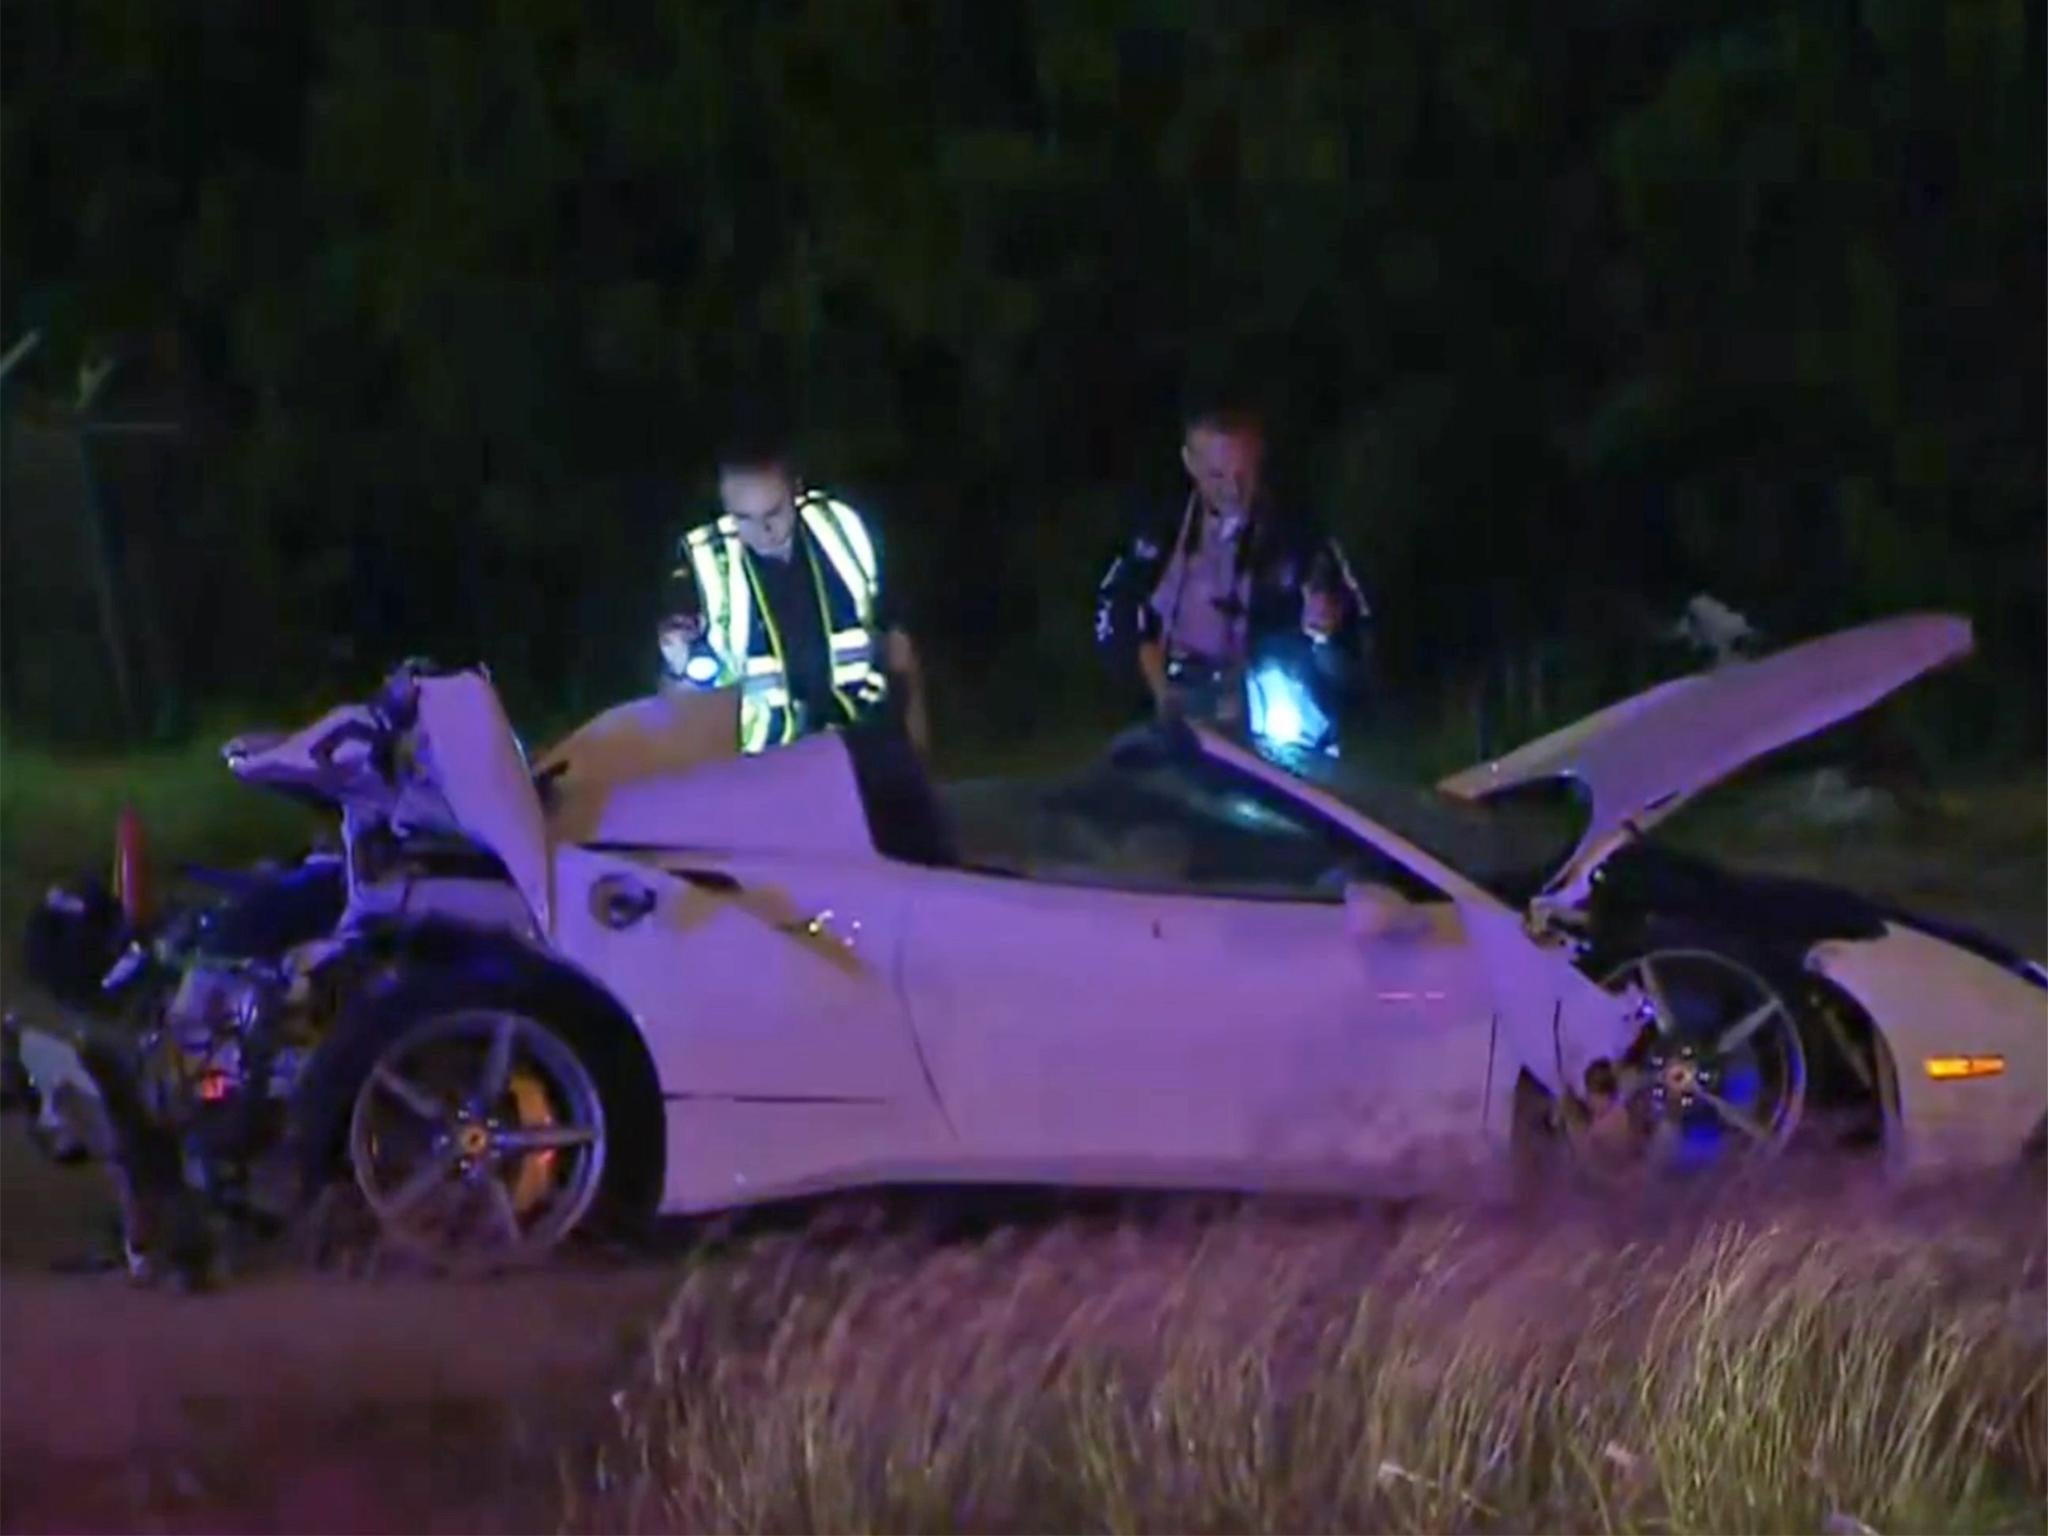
(744, 636)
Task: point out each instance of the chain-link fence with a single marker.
(91, 570)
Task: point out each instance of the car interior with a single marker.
(1152, 814)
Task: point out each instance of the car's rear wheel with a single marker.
(478, 1135)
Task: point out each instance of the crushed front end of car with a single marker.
(165, 1053)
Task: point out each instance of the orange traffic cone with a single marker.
(131, 869)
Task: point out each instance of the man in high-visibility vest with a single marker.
(781, 597)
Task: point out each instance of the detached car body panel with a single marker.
(1644, 758)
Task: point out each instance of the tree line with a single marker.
(1560, 317)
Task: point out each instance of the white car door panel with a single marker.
(1071, 1025)
(1183, 987)
(762, 977)
(1416, 1102)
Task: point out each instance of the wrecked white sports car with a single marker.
(654, 975)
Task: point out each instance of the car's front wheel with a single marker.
(474, 1123)
(478, 1134)
(1718, 1072)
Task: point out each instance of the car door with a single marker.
(1182, 993)
(753, 976)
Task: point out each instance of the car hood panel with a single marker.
(1643, 758)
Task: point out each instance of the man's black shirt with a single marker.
(790, 589)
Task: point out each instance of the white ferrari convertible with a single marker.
(647, 974)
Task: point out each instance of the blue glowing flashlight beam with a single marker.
(1281, 711)
(693, 661)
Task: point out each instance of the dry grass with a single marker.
(1808, 1365)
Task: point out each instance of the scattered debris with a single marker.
(1711, 626)
(1621, 1458)
(1829, 798)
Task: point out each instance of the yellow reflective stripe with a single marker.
(740, 617)
(761, 691)
(823, 518)
(853, 662)
(847, 647)
(760, 704)
(764, 690)
(855, 532)
(755, 719)
(710, 561)
(840, 558)
(703, 573)
(704, 565)
(747, 583)
(846, 705)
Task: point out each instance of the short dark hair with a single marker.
(755, 423)
(1233, 418)
(757, 451)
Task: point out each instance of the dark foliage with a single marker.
(1559, 321)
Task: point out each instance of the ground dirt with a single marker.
(288, 1402)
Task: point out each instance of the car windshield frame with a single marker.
(1511, 845)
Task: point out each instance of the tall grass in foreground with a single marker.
(1803, 1367)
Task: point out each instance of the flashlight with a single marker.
(692, 660)
(1282, 713)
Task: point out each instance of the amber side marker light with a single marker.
(1948, 1069)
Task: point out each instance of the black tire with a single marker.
(1735, 976)
(1850, 1092)
(402, 1000)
